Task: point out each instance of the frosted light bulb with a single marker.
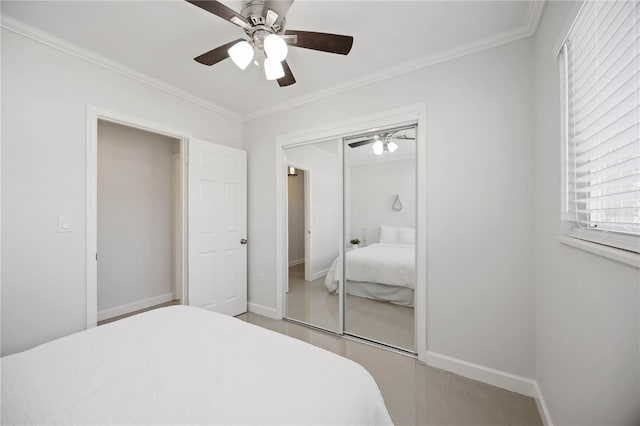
(275, 47)
(378, 148)
(273, 69)
(392, 146)
(241, 54)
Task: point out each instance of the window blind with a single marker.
(602, 54)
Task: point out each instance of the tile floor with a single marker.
(385, 322)
(414, 393)
(310, 301)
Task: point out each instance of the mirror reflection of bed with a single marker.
(380, 281)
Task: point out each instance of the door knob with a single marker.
(243, 241)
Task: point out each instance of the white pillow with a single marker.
(407, 236)
(388, 235)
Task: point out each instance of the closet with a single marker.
(138, 210)
(358, 275)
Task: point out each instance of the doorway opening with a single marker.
(129, 167)
(138, 214)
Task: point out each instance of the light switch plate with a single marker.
(64, 223)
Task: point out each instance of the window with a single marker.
(602, 152)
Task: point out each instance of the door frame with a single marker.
(94, 114)
(307, 219)
(416, 113)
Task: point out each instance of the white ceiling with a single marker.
(161, 38)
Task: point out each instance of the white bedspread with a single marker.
(181, 365)
(391, 264)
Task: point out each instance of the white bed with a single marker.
(182, 365)
(382, 271)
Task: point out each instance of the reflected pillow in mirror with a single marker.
(388, 235)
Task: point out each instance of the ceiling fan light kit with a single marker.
(383, 140)
(380, 147)
(263, 22)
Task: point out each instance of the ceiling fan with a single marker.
(263, 21)
(382, 142)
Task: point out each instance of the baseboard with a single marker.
(498, 378)
(542, 406)
(296, 262)
(265, 311)
(135, 306)
(319, 274)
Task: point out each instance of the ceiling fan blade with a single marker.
(219, 9)
(288, 78)
(280, 7)
(216, 55)
(360, 143)
(332, 43)
(403, 138)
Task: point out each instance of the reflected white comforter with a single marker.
(391, 264)
(182, 365)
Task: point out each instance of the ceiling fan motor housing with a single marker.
(252, 10)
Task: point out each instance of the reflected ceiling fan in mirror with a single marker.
(263, 22)
(382, 142)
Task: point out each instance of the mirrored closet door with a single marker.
(314, 216)
(351, 221)
(380, 235)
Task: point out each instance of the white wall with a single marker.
(44, 98)
(480, 211)
(588, 320)
(136, 216)
(296, 216)
(324, 170)
(373, 190)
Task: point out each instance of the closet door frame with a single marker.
(94, 114)
(417, 114)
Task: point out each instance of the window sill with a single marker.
(622, 256)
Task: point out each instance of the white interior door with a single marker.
(217, 191)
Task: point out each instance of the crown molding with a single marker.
(527, 29)
(21, 28)
(534, 15)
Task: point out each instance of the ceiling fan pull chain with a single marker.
(397, 205)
